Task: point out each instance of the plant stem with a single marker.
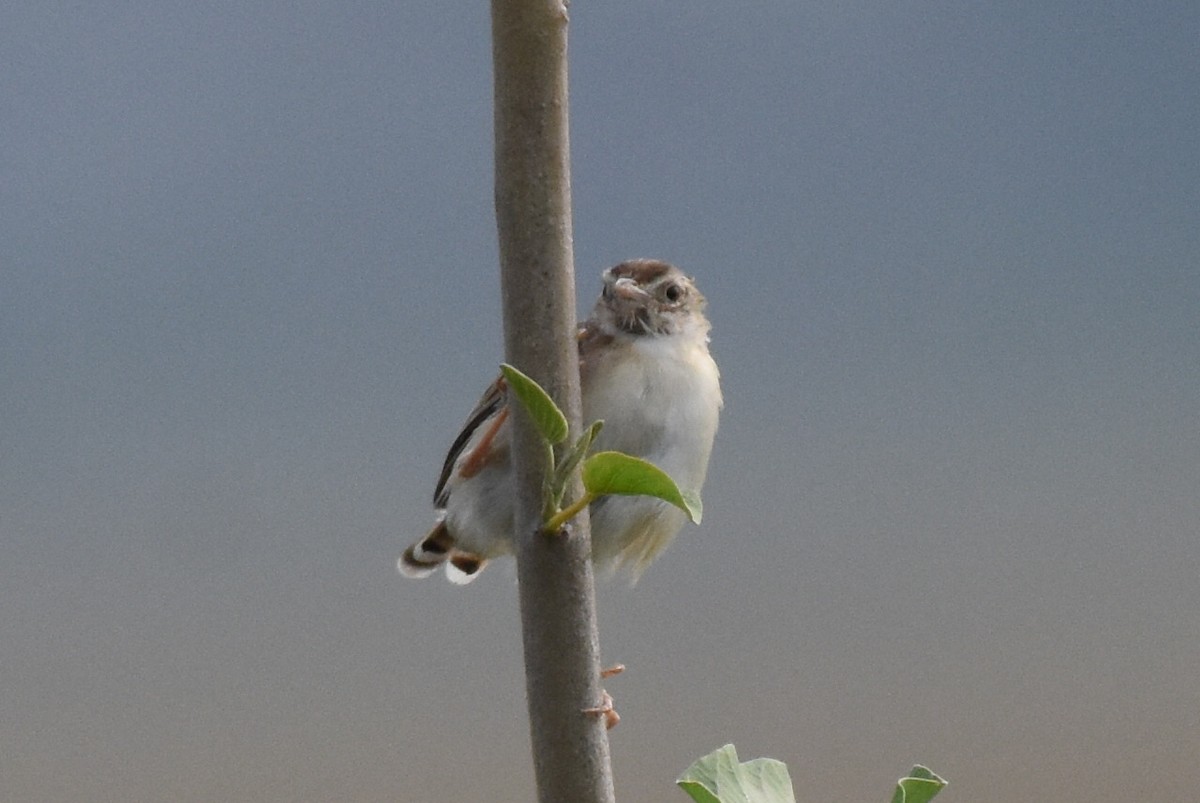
(537, 278)
(569, 512)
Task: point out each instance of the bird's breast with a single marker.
(659, 398)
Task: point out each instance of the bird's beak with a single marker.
(627, 289)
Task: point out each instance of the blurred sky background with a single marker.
(249, 292)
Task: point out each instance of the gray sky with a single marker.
(249, 291)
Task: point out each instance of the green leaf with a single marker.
(551, 496)
(548, 419)
(719, 778)
(571, 459)
(695, 508)
(618, 473)
(920, 785)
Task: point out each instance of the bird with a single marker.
(646, 372)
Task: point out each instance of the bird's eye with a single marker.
(673, 292)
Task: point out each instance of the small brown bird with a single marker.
(646, 372)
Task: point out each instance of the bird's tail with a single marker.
(438, 549)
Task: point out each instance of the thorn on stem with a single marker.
(605, 709)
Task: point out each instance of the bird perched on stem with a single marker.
(645, 371)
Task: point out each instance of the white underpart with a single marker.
(660, 401)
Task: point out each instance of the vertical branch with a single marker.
(533, 212)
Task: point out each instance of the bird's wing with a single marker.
(491, 413)
(493, 408)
